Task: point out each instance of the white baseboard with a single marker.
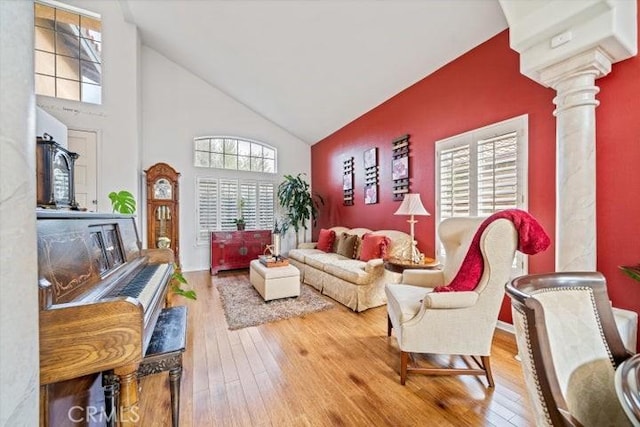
(507, 327)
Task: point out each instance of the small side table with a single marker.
(399, 265)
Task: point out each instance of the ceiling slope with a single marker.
(313, 66)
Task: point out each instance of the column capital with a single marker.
(592, 62)
(552, 32)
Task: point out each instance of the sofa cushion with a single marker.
(301, 254)
(374, 247)
(400, 243)
(350, 270)
(325, 240)
(319, 260)
(347, 245)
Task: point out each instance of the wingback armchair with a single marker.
(453, 323)
(570, 347)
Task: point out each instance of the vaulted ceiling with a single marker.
(312, 66)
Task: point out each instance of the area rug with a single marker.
(243, 306)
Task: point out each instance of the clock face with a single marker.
(61, 178)
(162, 189)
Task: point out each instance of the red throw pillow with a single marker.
(373, 247)
(326, 239)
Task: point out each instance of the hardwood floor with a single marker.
(333, 368)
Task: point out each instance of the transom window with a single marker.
(68, 53)
(234, 153)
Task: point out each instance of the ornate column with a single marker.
(567, 45)
(574, 81)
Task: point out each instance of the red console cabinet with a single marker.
(236, 249)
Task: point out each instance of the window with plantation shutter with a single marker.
(228, 204)
(266, 205)
(454, 182)
(250, 198)
(219, 203)
(497, 175)
(207, 212)
(481, 172)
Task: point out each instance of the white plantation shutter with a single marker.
(207, 210)
(454, 182)
(497, 174)
(266, 205)
(248, 194)
(218, 202)
(228, 203)
(481, 172)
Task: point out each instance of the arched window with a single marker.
(234, 153)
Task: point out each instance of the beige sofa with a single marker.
(357, 284)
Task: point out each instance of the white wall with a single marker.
(116, 120)
(19, 360)
(178, 106)
(46, 123)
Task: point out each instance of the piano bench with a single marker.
(164, 353)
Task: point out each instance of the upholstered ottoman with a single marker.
(274, 282)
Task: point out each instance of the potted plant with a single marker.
(240, 222)
(298, 202)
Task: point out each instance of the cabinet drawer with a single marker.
(225, 235)
(258, 235)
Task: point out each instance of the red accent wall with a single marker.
(482, 87)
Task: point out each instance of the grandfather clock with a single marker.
(163, 208)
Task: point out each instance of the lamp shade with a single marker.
(411, 205)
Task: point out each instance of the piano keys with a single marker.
(100, 296)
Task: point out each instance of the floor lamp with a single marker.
(412, 205)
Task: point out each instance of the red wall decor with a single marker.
(400, 167)
(370, 162)
(482, 87)
(347, 182)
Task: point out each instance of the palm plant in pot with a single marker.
(299, 204)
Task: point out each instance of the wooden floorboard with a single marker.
(333, 368)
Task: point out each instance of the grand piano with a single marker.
(100, 296)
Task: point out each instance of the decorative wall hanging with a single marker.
(347, 181)
(400, 166)
(371, 176)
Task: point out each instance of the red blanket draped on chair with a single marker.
(532, 238)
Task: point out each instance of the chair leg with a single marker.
(174, 381)
(404, 361)
(487, 368)
(389, 325)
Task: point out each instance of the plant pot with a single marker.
(240, 227)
